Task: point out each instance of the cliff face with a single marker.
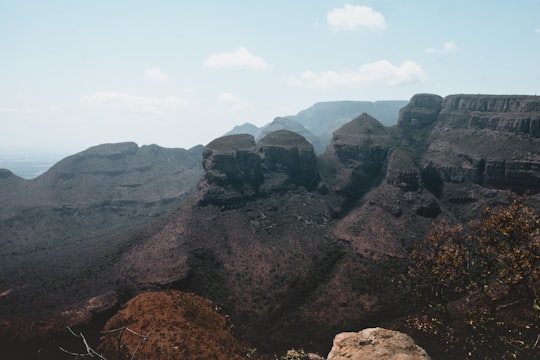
(513, 114)
(487, 140)
(423, 110)
(295, 246)
(361, 147)
(238, 169)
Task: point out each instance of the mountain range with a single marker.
(293, 243)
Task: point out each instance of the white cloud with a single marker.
(447, 47)
(239, 58)
(7, 110)
(537, 30)
(234, 102)
(135, 103)
(352, 17)
(378, 72)
(155, 74)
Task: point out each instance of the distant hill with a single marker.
(318, 122)
(325, 117)
(245, 128)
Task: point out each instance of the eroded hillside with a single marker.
(297, 247)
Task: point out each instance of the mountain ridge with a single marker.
(290, 261)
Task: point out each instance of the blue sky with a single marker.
(76, 73)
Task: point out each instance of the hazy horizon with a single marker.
(77, 74)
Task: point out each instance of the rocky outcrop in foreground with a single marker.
(376, 344)
(182, 325)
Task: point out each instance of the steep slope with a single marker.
(299, 263)
(58, 232)
(286, 270)
(296, 248)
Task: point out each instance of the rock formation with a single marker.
(487, 140)
(285, 123)
(513, 114)
(358, 152)
(232, 169)
(423, 110)
(290, 154)
(323, 118)
(292, 246)
(376, 344)
(237, 169)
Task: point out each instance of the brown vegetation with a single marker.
(175, 325)
(479, 286)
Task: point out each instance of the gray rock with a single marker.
(362, 146)
(290, 153)
(423, 110)
(376, 344)
(237, 169)
(518, 114)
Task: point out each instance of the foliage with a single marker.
(478, 285)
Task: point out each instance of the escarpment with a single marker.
(489, 140)
(513, 114)
(293, 246)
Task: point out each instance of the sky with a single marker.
(77, 73)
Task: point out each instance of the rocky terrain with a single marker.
(58, 242)
(296, 247)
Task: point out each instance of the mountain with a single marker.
(245, 128)
(57, 231)
(318, 122)
(293, 246)
(288, 259)
(323, 118)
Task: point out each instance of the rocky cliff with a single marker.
(296, 247)
(487, 140)
(238, 169)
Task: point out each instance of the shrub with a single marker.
(478, 285)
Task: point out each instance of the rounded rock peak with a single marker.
(285, 138)
(233, 143)
(363, 124)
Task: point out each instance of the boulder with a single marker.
(375, 344)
